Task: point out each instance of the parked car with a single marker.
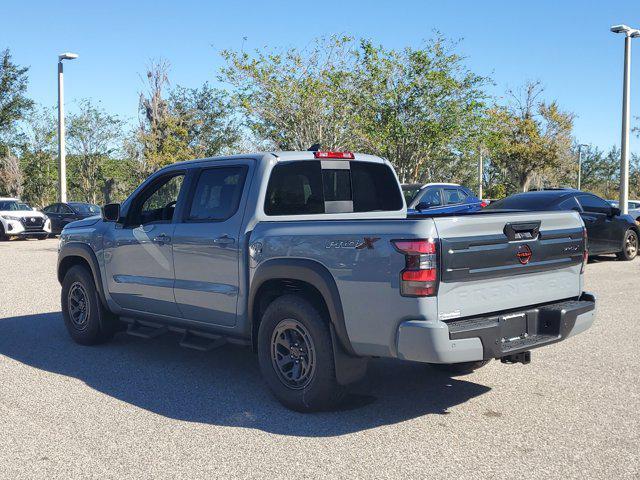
(609, 231)
(444, 198)
(18, 219)
(309, 258)
(63, 213)
(633, 207)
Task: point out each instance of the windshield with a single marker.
(85, 208)
(13, 206)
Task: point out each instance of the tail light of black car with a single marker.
(419, 278)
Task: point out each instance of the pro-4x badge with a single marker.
(524, 254)
(367, 242)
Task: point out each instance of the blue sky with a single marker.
(565, 44)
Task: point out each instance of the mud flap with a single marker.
(349, 369)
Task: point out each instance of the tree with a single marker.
(530, 137)
(14, 106)
(208, 117)
(422, 109)
(294, 99)
(13, 100)
(10, 175)
(93, 136)
(38, 158)
(161, 139)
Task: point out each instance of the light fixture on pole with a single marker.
(580, 164)
(62, 164)
(629, 33)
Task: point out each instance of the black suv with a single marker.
(61, 214)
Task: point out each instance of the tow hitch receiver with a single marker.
(522, 357)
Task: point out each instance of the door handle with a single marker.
(224, 240)
(161, 239)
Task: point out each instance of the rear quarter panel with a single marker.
(367, 278)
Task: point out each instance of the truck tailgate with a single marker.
(499, 261)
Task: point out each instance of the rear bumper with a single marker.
(494, 336)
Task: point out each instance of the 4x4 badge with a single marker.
(524, 254)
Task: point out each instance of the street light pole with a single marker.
(62, 163)
(580, 165)
(480, 175)
(629, 33)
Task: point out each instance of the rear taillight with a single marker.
(585, 253)
(483, 204)
(420, 275)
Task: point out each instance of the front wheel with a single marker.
(629, 246)
(462, 368)
(86, 319)
(295, 353)
(3, 236)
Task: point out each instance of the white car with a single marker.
(17, 219)
(633, 207)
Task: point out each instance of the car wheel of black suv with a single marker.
(296, 355)
(462, 368)
(629, 246)
(86, 319)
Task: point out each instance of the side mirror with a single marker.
(111, 212)
(615, 211)
(423, 206)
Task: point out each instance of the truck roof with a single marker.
(279, 156)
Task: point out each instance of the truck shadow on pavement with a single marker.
(224, 386)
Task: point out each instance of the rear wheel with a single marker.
(86, 319)
(629, 246)
(296, 355)
(463, 368)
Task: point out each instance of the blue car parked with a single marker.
(443, 198)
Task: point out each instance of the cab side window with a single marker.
(217, 194)
(431, 198)
(453, 196)
(157, 203)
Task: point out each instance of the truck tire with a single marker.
(463, 368)
(296, 355)
(629, 246)
(86, 319)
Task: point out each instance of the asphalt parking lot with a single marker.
(139, 408)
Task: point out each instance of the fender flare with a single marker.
(308, 271)
(84, 251)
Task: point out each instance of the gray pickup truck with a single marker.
(310, 258)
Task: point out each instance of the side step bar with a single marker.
(198, 342)
(190, 339)
(145, 331)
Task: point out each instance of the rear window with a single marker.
(522, 202)
(311, 187)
